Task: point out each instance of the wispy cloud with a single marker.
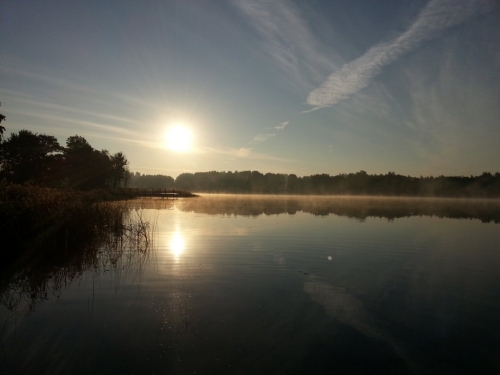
(288, 40)
(441, 115)
(19, 97)
(243, 153)
(148, 168)
(436, 17)
(78, 88)
(67, 120)
(282, 125)
(262, 137)
(149, 144)
(89, 129)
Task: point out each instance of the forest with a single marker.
(486, 185)
(158, 181)
(39, 159)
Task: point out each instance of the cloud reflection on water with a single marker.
(350, 310)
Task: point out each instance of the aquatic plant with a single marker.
(114, 238)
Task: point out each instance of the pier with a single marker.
(151, 193)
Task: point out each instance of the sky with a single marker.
(281, 86)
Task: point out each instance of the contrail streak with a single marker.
(436, 17)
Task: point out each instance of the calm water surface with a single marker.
(272, 285)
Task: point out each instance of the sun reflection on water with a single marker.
(177, 244)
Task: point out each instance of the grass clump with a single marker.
(51, 237)
(35, 218)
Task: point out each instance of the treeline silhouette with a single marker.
(486, 185)
(39, 159)
(136, 180)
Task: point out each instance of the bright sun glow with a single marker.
(177, 244)
(179, 138)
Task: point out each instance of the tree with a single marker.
(292, 183)
(2, 129)
(27, 156)
(87, 168)
(119, 171)
(78, 156)
(185, 181)
(78, 145)
(149, 181)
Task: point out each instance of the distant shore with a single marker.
(486, 185)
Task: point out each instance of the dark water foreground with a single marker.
(265, 285)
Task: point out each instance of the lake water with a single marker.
(271, 285)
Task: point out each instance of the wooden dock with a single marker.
(151, 193)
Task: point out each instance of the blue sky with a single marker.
(276, 86)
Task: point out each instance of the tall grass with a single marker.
(31, 215)
(54, 236)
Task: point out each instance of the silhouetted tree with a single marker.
(292, 183)
(360, 183)
(119, 165)
(27, 156)
(87, 168)
(151, 181)
(185, 181)
(2, 129)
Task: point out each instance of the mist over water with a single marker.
(359, 207)
(261, 284)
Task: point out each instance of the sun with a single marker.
(179, 138)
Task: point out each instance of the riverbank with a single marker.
(36, 220)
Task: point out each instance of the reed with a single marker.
(35, 219)
(67, 234)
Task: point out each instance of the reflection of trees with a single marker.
(355, 207)
(120, 244)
